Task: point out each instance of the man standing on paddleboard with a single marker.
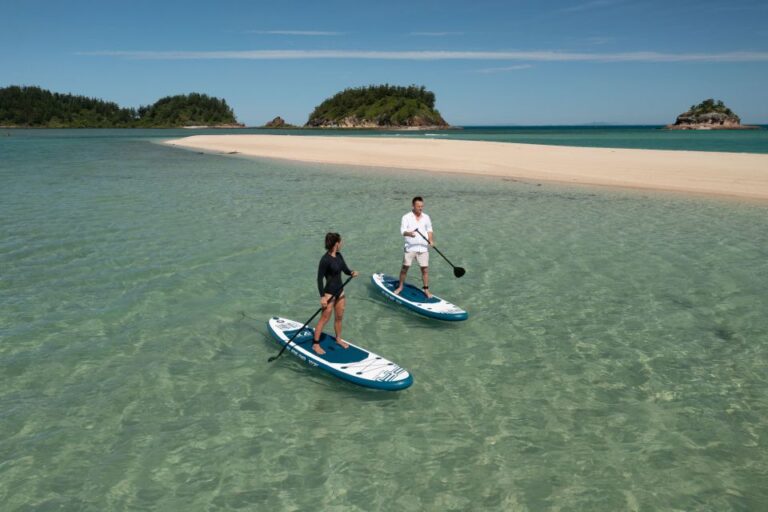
(416, 228)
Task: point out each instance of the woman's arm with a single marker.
(322, 268)
(344, 267)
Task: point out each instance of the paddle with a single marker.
(457, 271)
(308, 321)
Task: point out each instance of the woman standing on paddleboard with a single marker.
(332, 297)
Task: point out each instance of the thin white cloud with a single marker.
(537, 56)
(295, 32)
(594, 4)
(436, 34)
(503, 69)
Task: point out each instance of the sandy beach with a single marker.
(737, 175)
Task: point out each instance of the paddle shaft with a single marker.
(335, 296)
(438, 250)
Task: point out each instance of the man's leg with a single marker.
(423, 259)
(407, 260)
(403, 273)
(425, 279)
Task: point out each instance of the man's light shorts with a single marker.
(421, 257)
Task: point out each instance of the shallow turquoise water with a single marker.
(615, 357)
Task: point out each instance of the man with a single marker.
(416, 228)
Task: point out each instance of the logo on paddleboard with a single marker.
(390, 374)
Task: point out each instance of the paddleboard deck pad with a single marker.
(416, 300)
(354, 364)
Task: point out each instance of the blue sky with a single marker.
(488, 62)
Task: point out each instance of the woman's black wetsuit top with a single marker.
(331, 268)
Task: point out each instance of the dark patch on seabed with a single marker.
(724, 333)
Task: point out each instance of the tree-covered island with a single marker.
(378, 106)
(34, 107)
(709, 115)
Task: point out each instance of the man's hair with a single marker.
(417, 198)
(331, 239)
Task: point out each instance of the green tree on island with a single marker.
(379, 105)
(186, 110)
(710, 106)
(39, 108)
(36, 107)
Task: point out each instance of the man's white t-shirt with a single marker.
(410, 223)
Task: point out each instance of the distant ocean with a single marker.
(614, 359)
(633, 137)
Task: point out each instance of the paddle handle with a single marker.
(335, 295)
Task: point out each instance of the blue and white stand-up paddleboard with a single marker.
(353, 364)
(414, 299)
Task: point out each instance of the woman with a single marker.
(332, 298)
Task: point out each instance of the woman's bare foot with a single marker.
(343, 343)
(427, 293)
(398, 290)
(318, 349)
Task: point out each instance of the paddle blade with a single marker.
(459, 271)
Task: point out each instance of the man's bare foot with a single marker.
(398, 290)
(318, 349)
(427, 293)
(343, 343)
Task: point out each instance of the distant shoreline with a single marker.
(208, 127)
(738, 175)
(408, 128)
(709, 127)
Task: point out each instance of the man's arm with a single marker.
(404, 228)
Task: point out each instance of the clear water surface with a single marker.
(615, 356)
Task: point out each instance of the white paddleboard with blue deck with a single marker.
(353, 364)
(416, 300)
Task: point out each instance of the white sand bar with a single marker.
(740, 175)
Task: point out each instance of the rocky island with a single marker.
(379, 106)
(709, 115)
(278, 122)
